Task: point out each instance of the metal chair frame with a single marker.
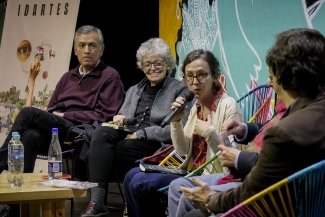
(301, 194)
(255, 102)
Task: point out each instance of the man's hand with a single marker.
(198, 196)
(44, 108)
(233, 127)
(59, 114)
(119, 120)
(202, 126)
(227, 156)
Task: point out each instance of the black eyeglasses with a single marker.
(157, 64)
(201, 77)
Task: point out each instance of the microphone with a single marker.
(188, 97)
(58, 106)
(130, 121)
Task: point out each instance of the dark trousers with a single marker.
(109, 149)
(35, 129)
(141, 194)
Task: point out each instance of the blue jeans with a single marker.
(35, 129)
(179, 205)
(141, 193)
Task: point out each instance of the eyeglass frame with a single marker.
(153, 63)
(196, 76)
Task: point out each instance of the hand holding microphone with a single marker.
(177, 107)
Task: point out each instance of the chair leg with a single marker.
(119, 186)
(71, 208)
(120, 193)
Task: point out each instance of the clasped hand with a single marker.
(119, 120)
(201, 126)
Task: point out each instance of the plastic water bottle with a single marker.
(16, 171)
(55, 157)
(9, 156)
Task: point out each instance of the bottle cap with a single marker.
(14, 133)
(16, 136)
(55, 130)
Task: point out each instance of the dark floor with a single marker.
(114, 203)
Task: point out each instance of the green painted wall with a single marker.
(238, 32)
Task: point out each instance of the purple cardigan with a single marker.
(96, 97)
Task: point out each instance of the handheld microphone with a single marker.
(188, 97)
(130, 121)
(58, 106)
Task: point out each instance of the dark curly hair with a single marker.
(297, 59)
(209, 58)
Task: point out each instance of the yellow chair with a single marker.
(301, 195)
(172, 160)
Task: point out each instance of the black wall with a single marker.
(125, 25)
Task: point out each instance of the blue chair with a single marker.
(255, 103)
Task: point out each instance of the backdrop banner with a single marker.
(35, 52)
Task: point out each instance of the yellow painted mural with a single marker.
(170, 21)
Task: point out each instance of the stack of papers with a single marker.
(68, 184)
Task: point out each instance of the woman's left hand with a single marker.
(202, 126)
(131, 136)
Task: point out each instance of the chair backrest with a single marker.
(263, 113)
(172, 160)
(255, 103)
(301, 194)
(158, 157)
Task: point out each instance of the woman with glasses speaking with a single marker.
(199, 138)
(145, 107)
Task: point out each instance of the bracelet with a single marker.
(208, 200)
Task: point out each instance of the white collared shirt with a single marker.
(83, 74)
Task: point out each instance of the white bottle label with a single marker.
(55, 167)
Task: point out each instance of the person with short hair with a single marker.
(297, 71)
(197, 141)
(144, 109)
(90, 92)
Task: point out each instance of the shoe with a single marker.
(95, 210)
(5, 211)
